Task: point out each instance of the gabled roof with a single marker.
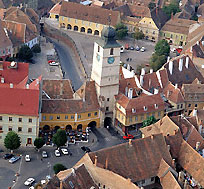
(5, 42)
(56, 8)
(88, 13)
(136, 161)
(167, 179)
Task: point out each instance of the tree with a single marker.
(12, 141)
(36, 48)
(152, 5)
(149, 121)
(121, 30)
(157, 61)
(60, 138)
(39, 142)
(173, 7)
(58, 167)
(25, 53)
(162, 48)
(138, 34)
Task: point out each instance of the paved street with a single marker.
(98, 139)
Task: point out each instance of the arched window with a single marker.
(69, 27)
(76, 28)
(89, 30)
(96, 32)
(82, 29)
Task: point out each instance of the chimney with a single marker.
(191, 49)
(27, 86)
(2, 80)
(126, 91)
(195, 112)
(187, 62)
(106, 166)
(176, 86)
(173, 163)
(142, 76)
(11, 85)
(152, 137)
(180, 64)
(171, 67)
(130, 142)
(197, 42)
(156, 91)
(197, 146)
(151, 71)
(130, 93)
(61, 88)
(96, 160)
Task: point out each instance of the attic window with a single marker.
(133, 110)
(156, 106)
(145, 108)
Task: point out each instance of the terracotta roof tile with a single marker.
(167, 179)
(92, 14)
(56, 8)
(5, 42)
(137, 161)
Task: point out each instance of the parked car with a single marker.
(32, 187)
(57, 153)
(8, 156)
(129, 136)
(14, 159)
(122, 49)
(143, 49)
(44, 154)
(50, 61)
(137, 48)
(132, 48)
(65, 151)
(42, 182)
(27, 158)
(127, 46)
(29, 181)
(85, 149)
(54, 64)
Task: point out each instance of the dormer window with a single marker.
(133, 110)
(156, 106)
(145, 108)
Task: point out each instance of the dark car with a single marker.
(8, 156)
(85, 149)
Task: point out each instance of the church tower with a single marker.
(105, 69)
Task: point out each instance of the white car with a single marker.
(29, 181)
(57, 153)
(44, 154)
(42, 181)
(65, 151)
(27, 158)
(142, 49)
(32, 187)
(54, 64)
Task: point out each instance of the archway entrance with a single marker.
(76, 28)
(69, 27)
(107, 122)
(79, 127)
(46, 128)
(89, 31)
(68, 128)
(92, 124)
(82, 29)
(96, 32)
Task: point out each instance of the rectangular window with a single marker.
(68, 19)
(10, 118)
(181, 105)
(10, 128)
(19, 129)
(181, 37)
(189, 105)
(72, 117)
(159, 114)
(136, 118)
(96, 113)
(98, 48)
(108, 99)
(96, 25)
(30, 120)
(177, 106)
(79, 116)
(111, 51)
(1, 118)
(66, 117)
(89, 114)
(30, 130)
(51, 117)
(107, 108)
(19, 119)
(58, 117)
(196, 105)
(44, 117)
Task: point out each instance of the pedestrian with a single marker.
(41, 159)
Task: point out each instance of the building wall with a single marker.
(32, 42)
(4, 52)
(131, 25)
(190, 105)
(72, 119)
(54, 16)
(70, 23)
(176, 39)
(15, 124)
(149, 28)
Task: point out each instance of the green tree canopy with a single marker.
(173, 7)
(36, 48)
(58, 167)
(150, 120)
(157, 61)
(39, 142)
(12, 141)
(25, 53)
(162, 48)
(138, 34)
(152, 5)
(60, 138)
(121, 30)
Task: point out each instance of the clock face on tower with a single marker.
(111, 60)
(98, 57)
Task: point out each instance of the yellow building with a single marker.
(130, 112)
(86, 19)
(61, 108)
(54, 12)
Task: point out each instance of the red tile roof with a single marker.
(56, 8)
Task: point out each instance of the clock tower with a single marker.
(105, 69)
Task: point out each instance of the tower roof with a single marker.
(107, 39)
